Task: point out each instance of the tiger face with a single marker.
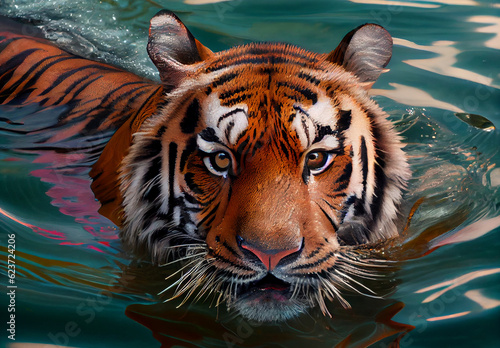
(265, 170)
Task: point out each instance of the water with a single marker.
(77, 287)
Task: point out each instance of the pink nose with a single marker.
(270, 258)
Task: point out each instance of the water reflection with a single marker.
(397, 3)
(494, 28)
(413, 96)
(444, 63)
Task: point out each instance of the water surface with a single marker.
(76, 285)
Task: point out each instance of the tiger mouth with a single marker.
(266, 285)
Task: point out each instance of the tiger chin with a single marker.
(264, 170)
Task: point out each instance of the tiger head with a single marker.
(265, 169)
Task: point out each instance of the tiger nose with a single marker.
(270, 258)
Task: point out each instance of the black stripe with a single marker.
(185, 216)
(344, 179)
(172, 159)
(208, 134)
(284, 149)
(221, 272)
(188, 150)
(68, 74)
(33, 80)
(4, 42)
(193, 209)
(380, 183)
(71, 87)
(306, 92)
(191, 118)
(145, 104)
(242, 146)
(257, 145)
(152, 181)
(191, 199)
(364, 162)
(321, 132)
(84, 86)
(309, 78)
(313, 253)
(210, 214)
(17, 60)
(237, 99)
(343, 121)
(105, 111)
(230, 113)
(189, 179)
(161, 131)
(6, 77)
(336, 195)
(334, 225)
(223, 79)
(305, 175)
(209, 222)
(380, 176)
(149, 150)
(329, 204)
(121, 96)
(158, 235)
(316, 263)
(232, 92)
(21, 97)
(229, 128)
(305, 127)
(230, 249)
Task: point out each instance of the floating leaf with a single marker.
(476, 121)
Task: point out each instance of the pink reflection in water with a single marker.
(41, 231)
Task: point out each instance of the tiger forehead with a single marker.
(270, 114)
(269, 91)
(257, 85)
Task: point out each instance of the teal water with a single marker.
(75, 285)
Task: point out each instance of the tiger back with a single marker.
(97, 97)
(267, 166)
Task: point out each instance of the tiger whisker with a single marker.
(182, 268)
(219, 298)
(361, 273)
(194, 286)
(192, 283)
(177, 283)
(322, 305)
(334, 293)
(363, 256)
(366, 264)
(182, 259)
(190, 246)
(204, 289)
(184, 276)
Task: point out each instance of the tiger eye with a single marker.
(221, 160)
(316, 160)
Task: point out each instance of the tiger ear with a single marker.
(365, 51)
(172, 47)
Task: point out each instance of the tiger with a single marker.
(265, 169)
